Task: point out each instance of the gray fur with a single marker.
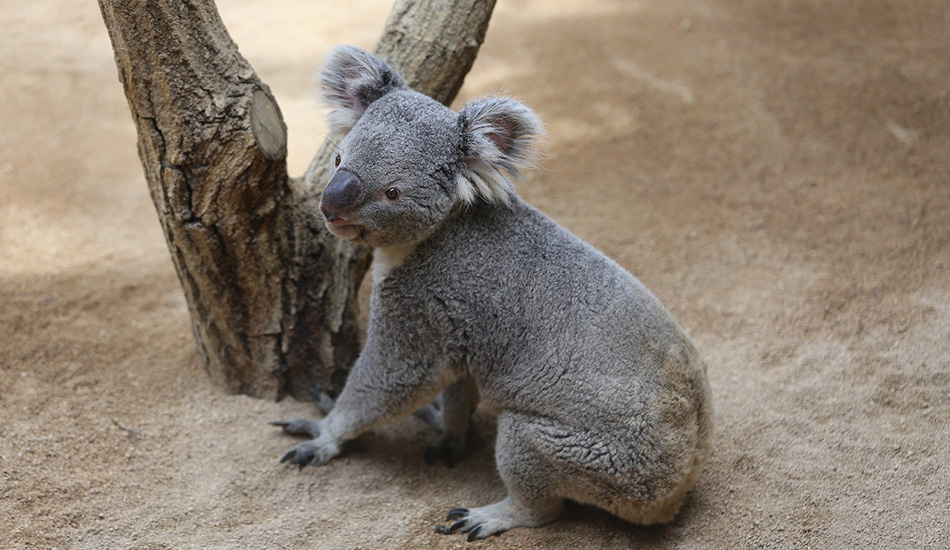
(603, 398)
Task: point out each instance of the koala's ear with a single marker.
(352, 79)
(497, 134)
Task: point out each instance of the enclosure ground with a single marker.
(776, 172)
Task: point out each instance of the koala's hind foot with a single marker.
(533, 495)
(501, 516)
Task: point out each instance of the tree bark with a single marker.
(272, 296)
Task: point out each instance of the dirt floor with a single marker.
(778, 173)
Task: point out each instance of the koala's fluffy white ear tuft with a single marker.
(352, 79)
(497, 134)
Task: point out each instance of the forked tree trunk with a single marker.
(272, 297)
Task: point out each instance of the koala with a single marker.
(601, 396)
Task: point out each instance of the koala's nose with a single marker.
(341, 194)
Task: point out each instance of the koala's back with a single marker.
(548, 323)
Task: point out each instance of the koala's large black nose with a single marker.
(341, 194)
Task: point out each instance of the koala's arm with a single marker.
(382, 387)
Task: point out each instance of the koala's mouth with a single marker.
(345, 229)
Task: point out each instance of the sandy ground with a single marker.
(777, 172)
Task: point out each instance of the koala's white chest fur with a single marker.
(386, 259)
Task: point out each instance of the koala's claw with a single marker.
(456, 513)
(300, 459)
(456, 526)
(310, 453)
(463, 524)
(291, 454)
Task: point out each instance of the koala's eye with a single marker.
(393, 193)
(337, 160)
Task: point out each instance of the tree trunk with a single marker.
(272, 296)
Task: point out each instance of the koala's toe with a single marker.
(298, 426)
(294, 456)
(288, 456)
(297, 456)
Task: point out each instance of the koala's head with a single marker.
(408, 160)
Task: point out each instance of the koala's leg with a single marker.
(530, 478)
(449, 413)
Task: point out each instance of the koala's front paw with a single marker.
(314, 452)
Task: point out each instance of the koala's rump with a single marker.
(626, 423)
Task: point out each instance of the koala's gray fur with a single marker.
(603, 398)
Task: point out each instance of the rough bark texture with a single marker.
(272, 297)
